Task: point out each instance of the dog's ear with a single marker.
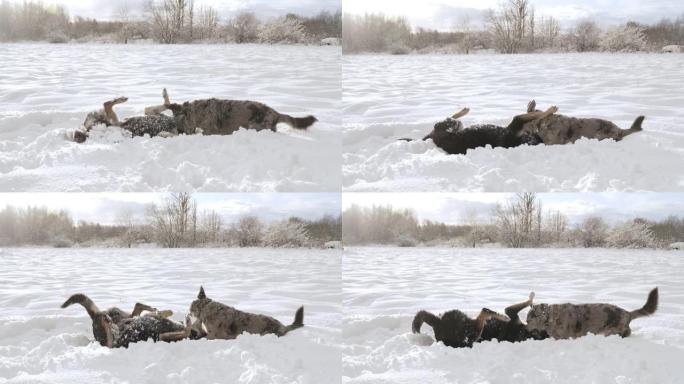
(201, 294)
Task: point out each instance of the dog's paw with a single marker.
(531, 106)
(553, 109)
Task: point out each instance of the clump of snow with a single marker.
(389, 97)
(47, 91)
(42, 343)
(383, 288)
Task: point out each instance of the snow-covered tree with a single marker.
(286, 234)
(586, 36)
(593, 232)
(284, 30)
(249, 231)
(627, 38)
(632, 234)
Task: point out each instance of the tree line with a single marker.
(164, 21)
(512, 28)
(520, 222)
(175, 223)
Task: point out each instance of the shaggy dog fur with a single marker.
(223, 322)
(208, 117)
(563, 321)
(561, 129)
(450, 135)
(115, 328)
(456, 329)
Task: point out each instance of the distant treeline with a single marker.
(520, 222)
(513, 28)
(163, 21)
(175, 223)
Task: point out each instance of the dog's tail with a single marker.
(636, 125)
(649, 308)
(85, 301)
(424, 317)
(298, 321)
(297, 122)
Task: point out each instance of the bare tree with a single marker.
(518, 221)
(244, 28)
(587, 36)
(593, 232)
(207, 23)
(464, 26)
(168, 19)
(509, 25)
(172, 222)
(249, 231)
(550, 30)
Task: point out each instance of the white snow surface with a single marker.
(47, 90)
(389, 97)
(42, 343)
(383, 288)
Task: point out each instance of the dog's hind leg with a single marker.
(532, 106)
(158, 109)
(461, 113)
(486, 314)
(180, 335)
(512, 311)
(520, 120)
(111, 116)
(138, 308)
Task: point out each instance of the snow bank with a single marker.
(41, 343)
(389, 97)
(47, 90)
(384, 287)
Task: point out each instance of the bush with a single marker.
(407, 242)
(62, 243)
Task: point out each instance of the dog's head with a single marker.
(198, 304)
(449, 125)
(102, 329)
(538, 317)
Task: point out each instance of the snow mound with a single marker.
(42, 105)
(41, 343)
(385, 287)
(411, 93)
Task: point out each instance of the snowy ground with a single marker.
(384, 287)
(388, 97)
(46, 90)
(41, 343)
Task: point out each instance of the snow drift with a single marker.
(47, 90)
(41, 343)
(389, 97)
(384, 287)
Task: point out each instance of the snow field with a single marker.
(383, 288)
(42, 343)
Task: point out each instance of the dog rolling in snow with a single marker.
(115, 328)
(561, 129)
(564, 321)
(208, 117)
(220, 321)
(455, 329)
(453, 138)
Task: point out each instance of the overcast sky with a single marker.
(105, 9)
(456, 208)
(442, 14)
(106, 208)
